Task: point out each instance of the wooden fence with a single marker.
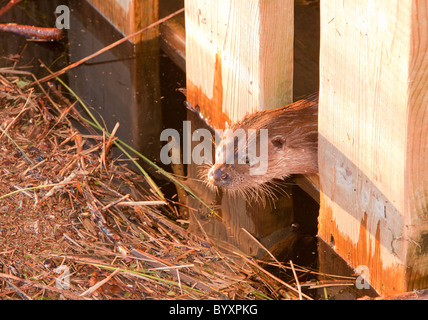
(241, 56)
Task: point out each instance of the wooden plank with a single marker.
(239, 59)
(240, 56)
(373, 145)
(129, 16)
(173, 40)
(306, 43)
(173, 32)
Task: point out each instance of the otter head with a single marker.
(241, 159)
(264, 146)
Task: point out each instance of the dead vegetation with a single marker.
(77, 224)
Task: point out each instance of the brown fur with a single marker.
(292, 149)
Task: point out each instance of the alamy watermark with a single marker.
(63, 280)
(240, 147)
(363, 280)
(63, 19)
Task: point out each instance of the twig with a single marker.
(110, 139)
(36, 187)
(24, 192)
(329, 284)
(18, 291)
(99, 284)
(170, 267)
(65, 181)
(297, 280)
(107, 145)
(141, 203)
(9, 6)
(36, 33)
(71, 240)
(41, 286)
(179, 281)
(126, 196)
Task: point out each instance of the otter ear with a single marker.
(278, 142)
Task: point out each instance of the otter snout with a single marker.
(218, 177)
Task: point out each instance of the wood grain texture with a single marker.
(416, 179)
(373, 144)
(252, 44)
(173, 40)
(129, 16)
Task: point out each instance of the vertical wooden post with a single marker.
(239, 59)
(373, 145)
(239, 56)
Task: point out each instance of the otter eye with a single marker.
(278, 142)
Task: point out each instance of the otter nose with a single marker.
(218, 175)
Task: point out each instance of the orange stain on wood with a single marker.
(386, 280)
(210, 108)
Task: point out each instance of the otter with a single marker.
(290, 147)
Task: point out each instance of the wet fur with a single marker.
(293, 141)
